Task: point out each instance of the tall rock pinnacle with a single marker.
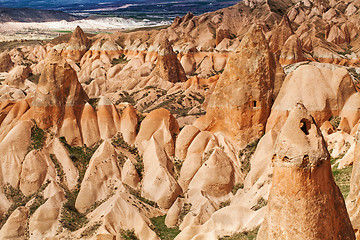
(242, 99)
(304, 201)
(58, 88)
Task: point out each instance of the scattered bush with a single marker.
(121, 60)
(246, 235)
(80, 155)
(163, 232)
(225, 204)
(245, 155)
(37, 139)
(335, 121)
(137, 194)
(237, 187)
(342, 177)
(18, 199)
(90, 230)
(261, 203)
(128, 235)
(185, 210)
(70, 218)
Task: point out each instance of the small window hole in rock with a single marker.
(305, 126)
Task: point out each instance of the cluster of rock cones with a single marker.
(209, 126)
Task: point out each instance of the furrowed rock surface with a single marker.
(241, 101)
(58, 89)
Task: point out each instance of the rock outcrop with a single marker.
(323, 92)
(352, 201)
(303, 187)
(291, 51)
(77, 45)
(58, 92)
(241, 101)
(5, 62)
(168, 66)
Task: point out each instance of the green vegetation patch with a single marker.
(90, 230)
(118, 141)
(225, 204)
(70, 218)
(162, 230)
(185, 210)
(237, 187)
(37, 139)
(18, 199)
(260, 204)
(342, 177)
(335, 121)
(247, 235)
(128, 235)
(121, 60)
(80, 155)
(137, 194)
(245, 155)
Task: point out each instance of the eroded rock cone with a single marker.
(304, 201)
(280, 35)
(241, 101)
(169, 67)
(58, 89)
(77, 45)
(291, 51)
(5, 62)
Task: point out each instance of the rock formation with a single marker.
(58, 92)
(77, 45)
(323, 92)
(303, 187)
(5, 62)
(168, 66)
(352, 201)
(241, 101)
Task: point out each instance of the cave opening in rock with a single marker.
(305, 126)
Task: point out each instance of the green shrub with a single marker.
(128, 235)
(121, 60)
(90, 230)
(225, 204)
(246, 235)
(18, 199)
(261, 203)
(163, 232)
(245, 155)
(342, 177)
(70, 218)
(137, 194)
(335, 121)
(118, 141)
(37, 138)
(80, 155)
(185, 210)
(237, 187)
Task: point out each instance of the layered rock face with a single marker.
(304, 201)
(58, 93)
(241, 101)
